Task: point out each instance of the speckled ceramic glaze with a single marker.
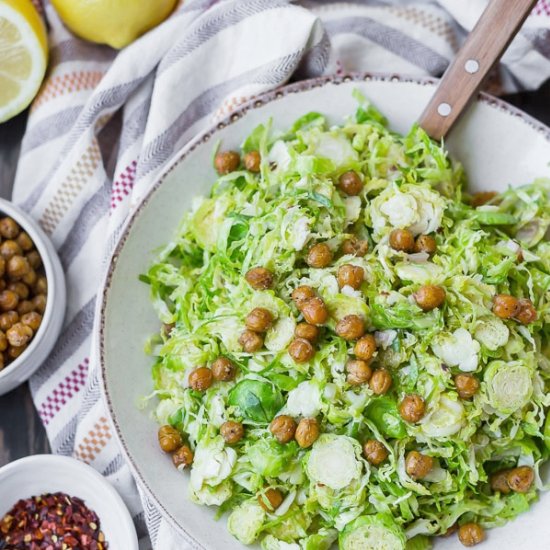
(498, 145)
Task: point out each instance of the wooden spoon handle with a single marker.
(484, 46)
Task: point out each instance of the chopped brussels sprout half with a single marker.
(509, 386)
(246, 521)
(375, 532)
(257, 401)
(333, 461)
(269, 458)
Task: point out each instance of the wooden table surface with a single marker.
(21, 432)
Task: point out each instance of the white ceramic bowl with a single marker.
(23, 367)
(40, 474)
(498, 145)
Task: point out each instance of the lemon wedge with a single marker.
(23, 56)
(113, 22)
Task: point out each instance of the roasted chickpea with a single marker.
(32, 319)
(429, 297)
(425, 243)
(34, 258)
(226, 162)
(9, 249)
(15, 351)
(375, 452)
(259, 278)
(21, 289)
(232, 432)
(365, 347)
(41, 285)
(3, 342)
(499, 482)
(350, 327)
(301, 350)
(355, 247)
(270, 499)
(30, 278)
(302, 293)
(183, 457)
(19, 334)
(412, 408)
(200, 379)
(8, 228)
(167, 328)
(307, 332)
(307, 432)
(8, 319)
(8, 300)
(25, 306)
(251, 341)
(417, 465)
(505, 306)
(380, 381)
(314, 310)
(520, 479)
(39, 303)
(2, 268)
(351, 275)
(471, 534)
(359, 372)
(402, 239)
(526, 312)
(223, 369)
(18, 267)
(169, 439)
(283, 428)
(467, 385)
(319, 255)
(481, 198)
(350, 183)
(259, 319)
(24, 241)
(252, 161)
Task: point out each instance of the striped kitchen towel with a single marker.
(105, 123)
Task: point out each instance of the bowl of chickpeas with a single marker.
(32, 296)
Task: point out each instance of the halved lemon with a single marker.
(23, 55)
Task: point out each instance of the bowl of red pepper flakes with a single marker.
(51, 502)
(52, 521)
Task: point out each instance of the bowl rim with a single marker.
(54, 274)
(109, 493)
(177, 158)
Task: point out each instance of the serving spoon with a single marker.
(484, 46)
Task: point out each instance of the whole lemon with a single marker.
(113, 22)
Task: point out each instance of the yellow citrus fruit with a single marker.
(23, 56)
(113, 22)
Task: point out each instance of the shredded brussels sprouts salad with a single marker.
(354, 352)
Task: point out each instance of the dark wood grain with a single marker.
(21, 433)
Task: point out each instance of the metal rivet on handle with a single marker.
(471, 66)
(444, 109)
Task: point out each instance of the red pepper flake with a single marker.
(51, 522)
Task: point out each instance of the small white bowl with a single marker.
(44, 340)
(40, 474)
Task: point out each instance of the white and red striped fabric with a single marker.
(106, 122)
